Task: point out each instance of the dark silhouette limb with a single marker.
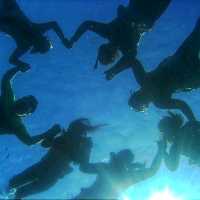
(7, 96)
(18, 52)
(124, 63)
(24, 136)
(101, 29)
(53, 25)
(177, 104)
(172, 158)
(139, 72)
(149, 172)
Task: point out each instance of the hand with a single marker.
(109, 75)
(67, 43)
(162, 145)
(51, 133)
(24, 67)
(56, 129)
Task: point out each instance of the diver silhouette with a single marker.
(12, 110)
(120, 173)
(73, 145)
(179, 72)
(123, 33)
(183, 139)
(27, 35)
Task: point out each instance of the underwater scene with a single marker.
(100, 99)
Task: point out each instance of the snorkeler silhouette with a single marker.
(179, 72)
(12, 110)
(120, 173)
(183, 139)
(27, 35)
(72, 146)
(123, 33)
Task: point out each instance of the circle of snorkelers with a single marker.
(178, 72)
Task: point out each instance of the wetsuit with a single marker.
(147, 12)
(179, 72)
(27, 35)
(53, 166)
(114, 178)
(186, 142)
(11, 123)
(122, 32)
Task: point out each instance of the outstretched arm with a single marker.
(177, 104)
(6, 88)
(23, 135)
(149, 172)
(18, 52)
(120, 66)
(53, 25)
(125, 63)
(173, 157)
(86, 152)
(99, 28)
(92, 168)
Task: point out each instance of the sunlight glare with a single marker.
(165, 195)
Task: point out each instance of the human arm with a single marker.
(146, 173)
(101, 29)
(173, 157)
(92, 168)
(18, 52)
(177, 104)
(124, 63)
(51, 134)
(85, 149)
(23, 135)
(53, 25)
(138, 165)
(120, 66)
(7, 95)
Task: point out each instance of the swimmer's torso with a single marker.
(125, 36)
(174, 74)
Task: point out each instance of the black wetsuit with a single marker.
(186, 142)
(27, 35)
(11, 123)
(179, 72)
(146, 12)
(64, 150)
(122, 32)
(113, 178)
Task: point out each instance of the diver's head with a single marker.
(81, 127)
(169, 126)
(41, 45)
(107, 53)
(123, 157)
(139, 101)
(25, 106)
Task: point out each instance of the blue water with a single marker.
(67, 88)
